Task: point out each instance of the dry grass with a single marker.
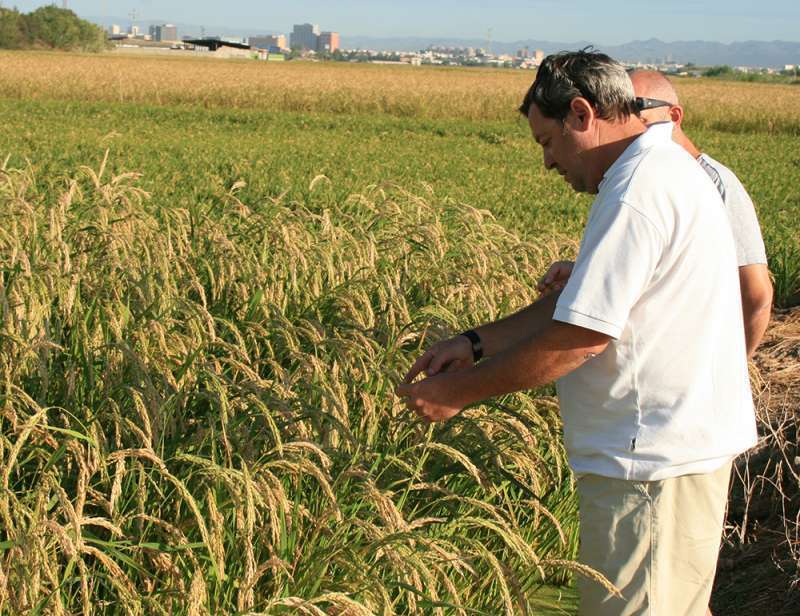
(760, 562)
(779, 354)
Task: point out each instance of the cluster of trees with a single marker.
(719, 71)
(727, 72)
(49, 28)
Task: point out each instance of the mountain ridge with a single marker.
(751, 53)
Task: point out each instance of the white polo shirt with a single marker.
(657, 272)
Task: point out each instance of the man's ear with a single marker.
(676, 114)
(582, 112)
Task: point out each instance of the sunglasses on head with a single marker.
(650, 103)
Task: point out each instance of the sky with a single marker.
(609, 22)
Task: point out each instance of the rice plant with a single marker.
(198, 413)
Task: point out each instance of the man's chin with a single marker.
(577, 186)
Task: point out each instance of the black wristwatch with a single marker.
(477, 345)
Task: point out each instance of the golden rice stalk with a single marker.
(116, 486)
(388, 511)
(217, 537)
(413, 579)
(246, 597)
(448, 583)
(119, 580)
(277, 503)
(540, 509)
(501, 530)
(115, 531)
(177, 534)
(10, 463)
(86, 596)
(149, 455)
(343, 605)
(462, 459)
(301, 606)
(3, 584)
(499, 578)
(198, 595)
(316, 181)
(585, 571)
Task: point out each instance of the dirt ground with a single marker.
(759, 567)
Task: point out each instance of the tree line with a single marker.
(49, 27)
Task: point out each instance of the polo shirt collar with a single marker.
(659, 132)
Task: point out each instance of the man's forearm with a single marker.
(532, 320)
(756, 289)
(556, 350)
(755, 324)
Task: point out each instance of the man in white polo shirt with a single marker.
(661, 109)
(649, 357)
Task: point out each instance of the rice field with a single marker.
(403, 91)
(213, 274)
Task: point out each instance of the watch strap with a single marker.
(477, 345)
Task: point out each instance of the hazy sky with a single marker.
(604, 22)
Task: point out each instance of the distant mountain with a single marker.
(746, 53)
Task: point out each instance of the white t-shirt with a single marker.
(657, 272)
(741, 212)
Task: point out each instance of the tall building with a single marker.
(328, 42)
(304, 36)
(269, 41)
(164, 32)
(538, 56)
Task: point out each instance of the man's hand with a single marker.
(436, 398)
(449, 355)
(555, 278)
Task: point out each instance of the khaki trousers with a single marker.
(656, 541)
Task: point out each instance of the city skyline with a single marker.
(611, 23)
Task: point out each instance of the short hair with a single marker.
(593, 75)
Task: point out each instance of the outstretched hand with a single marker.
(437, 397)
(555, 278)
(446, 356)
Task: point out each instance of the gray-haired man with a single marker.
(650, 360)
(659, 104)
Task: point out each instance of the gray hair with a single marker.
(586, 73)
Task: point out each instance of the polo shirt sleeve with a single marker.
(744, 223)
(619, 254)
